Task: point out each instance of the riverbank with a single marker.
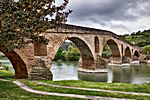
(145, 61)
(17, 93)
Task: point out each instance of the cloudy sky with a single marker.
(119, 16)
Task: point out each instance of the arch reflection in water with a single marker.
(135, 74)
(96, 77)
(64, 70)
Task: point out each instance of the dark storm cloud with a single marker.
(102, 11)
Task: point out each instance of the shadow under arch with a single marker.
(18, 64)
(128, 52)
(135, 55)
(114, 48)
(87, 58)
(115, 56)
(127, 55)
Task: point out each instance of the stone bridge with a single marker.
(34, 61)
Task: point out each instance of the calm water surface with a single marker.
(135, 73)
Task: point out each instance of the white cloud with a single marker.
(119, 16)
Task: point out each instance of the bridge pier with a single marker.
(135, 58)
(126, 59)
(100, 62)
(116, 60)
(86, 64)
(40, 71)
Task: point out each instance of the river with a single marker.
(127, 73)
(133, 73)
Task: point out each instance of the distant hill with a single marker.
(140, 38)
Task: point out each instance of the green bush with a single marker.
(59, 54)
(72, 54)
(106, 52)
(146, 50)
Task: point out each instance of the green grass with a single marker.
(6, 74)
(102, 85)
(81, 92)
(10, 91)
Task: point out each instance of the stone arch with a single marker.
(18, 64)
(86, 53)
(87, 57)
(96, 42)
(115, 56)
(135, 55)
(128, 52)
(114, 48)
(127, 55)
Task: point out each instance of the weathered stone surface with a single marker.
(40, 49)
(116, 60)
(40, 71)
(101, 63)
(125, 59)
(89, 41)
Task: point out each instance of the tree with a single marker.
(59, 54)
(73, 54)
(140, 38)
(22, 21)
(106, 52)
(146, 50)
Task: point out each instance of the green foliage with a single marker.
(6, 74)
(71, 54)
(59, 54)
(23, 21)
(140, 38)
(106, 52)
(146, 50)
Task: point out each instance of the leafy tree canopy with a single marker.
(146, 49)
(22, 21)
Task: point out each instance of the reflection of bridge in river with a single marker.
(135, 74)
